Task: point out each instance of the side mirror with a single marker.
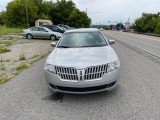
(53, 44)
(46, 30)
(111, 42)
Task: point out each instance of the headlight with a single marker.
(113, 65)
(50, 68)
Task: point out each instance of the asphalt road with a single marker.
(149, 43)
(137, 97)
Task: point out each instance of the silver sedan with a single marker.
(82, 62)
(41, 32)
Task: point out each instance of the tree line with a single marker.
(60, 12)
(147, 23)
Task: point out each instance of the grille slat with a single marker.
(67, 73)
(95, 72)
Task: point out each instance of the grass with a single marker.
(34, 56)
(6, 43)
(3, 46)
(9, 37)
(22, 67)
(4, 49)
(3, 80)
(2, 67)
(19, 69)
(1, 60)
(5, 30)
(7, 60)
(22, 56)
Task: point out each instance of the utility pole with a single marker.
(91, 12)
(26, 11)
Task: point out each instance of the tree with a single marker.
(79, 19)
(2, 17)
(120, 26)
(147, 23)
(61, 10)
(44, 9)
(16, 13)
(65, 12)
(157, 28)
(137, 26)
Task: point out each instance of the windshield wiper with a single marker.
(63, 47)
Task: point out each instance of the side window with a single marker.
(41, 29)
(34, 29)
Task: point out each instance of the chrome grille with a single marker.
(95, 72)
(66, 73)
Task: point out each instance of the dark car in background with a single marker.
(55, 28)
(64, 26)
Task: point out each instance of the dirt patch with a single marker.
(22, 52)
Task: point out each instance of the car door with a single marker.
(43, 33)
(35, 32)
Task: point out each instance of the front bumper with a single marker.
(107, 83)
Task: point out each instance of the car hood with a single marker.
(81, 57)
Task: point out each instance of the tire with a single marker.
(53, 37)
(29, 36)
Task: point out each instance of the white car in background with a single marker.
(101, 29)
(41, 32)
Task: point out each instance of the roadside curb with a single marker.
(150, 34)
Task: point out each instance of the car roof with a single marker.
(50, 25)
(37, 27)
(83, 30)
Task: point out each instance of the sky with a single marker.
(111, 11)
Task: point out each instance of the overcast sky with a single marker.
(102, 11)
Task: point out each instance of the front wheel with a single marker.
(53, 37)
(29, 36)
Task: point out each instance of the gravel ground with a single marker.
(136, 98)
(32, 50)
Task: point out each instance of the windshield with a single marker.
(64, 28)
(47, 29)
(82, 39)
